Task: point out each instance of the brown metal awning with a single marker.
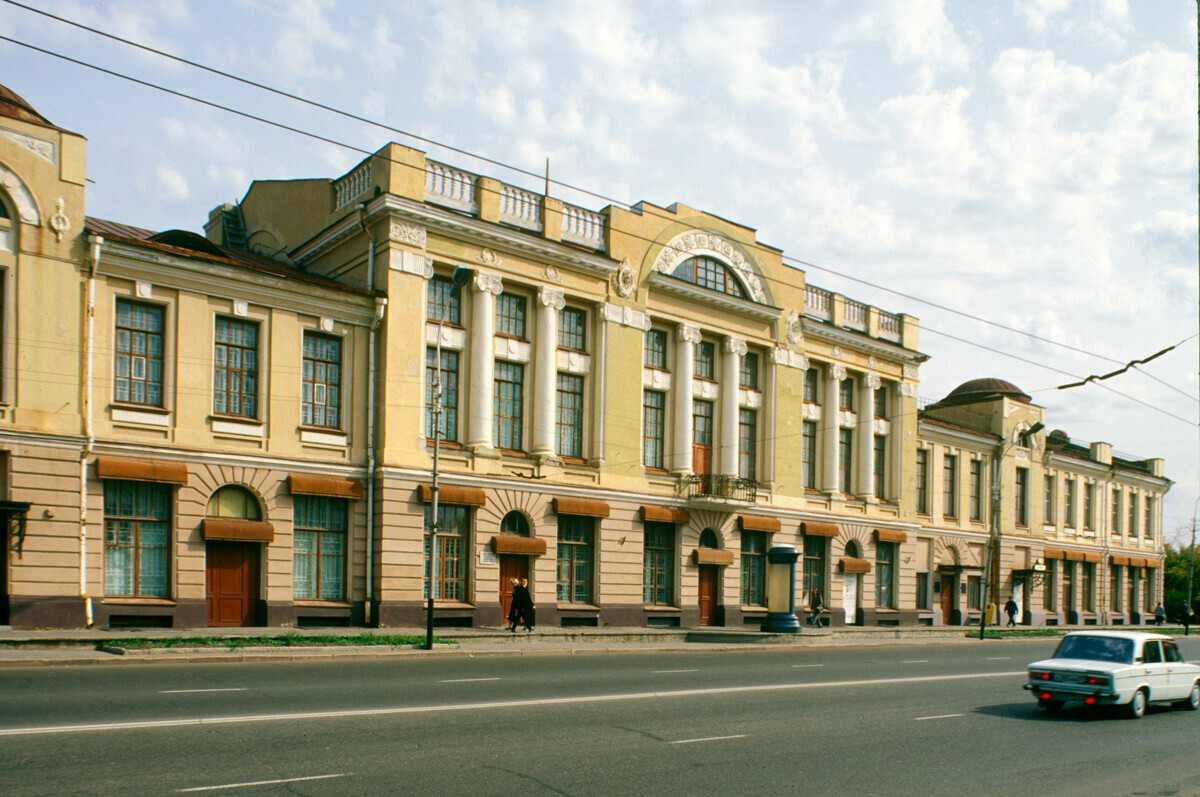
(334, 486)
(712, 556)
(518, 544)
(451, 494)
(849, 564)
(1052, 553)
(664, 514)
(758, 523)
(591, 507)
(887, 535)
(141, 470)
(1118, 559)
(1091, 557)
(816, 529)
(237, 530)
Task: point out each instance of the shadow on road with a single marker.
(1072, 712)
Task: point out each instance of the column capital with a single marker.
(550, 297)
(735, 346)
(872, 381)
(689, 334)
(488, 283)
(835, 372)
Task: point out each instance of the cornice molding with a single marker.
(678, 287)
(818, 330)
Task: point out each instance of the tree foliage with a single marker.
(1175, 577)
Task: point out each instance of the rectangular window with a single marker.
(748, 376)
(702, 423)
(811, 378)
(450, 559)
(880, 466)
(572, 329)
(1116, 510)
(1068, 586)
(235, 368)
(1147, 593)
(808, 453)
(1087, 580)
(974, 592)
(923, 480)
(449, 392)
(657, 555)
(977, 489)
(568, 430)
(1148, 526)
(885, 574)
(321, 389)
(1133, 514)
(747, 444)
(575, 541)
(654, 349)
(1089, 505)
(137, 533)
(846, 394)
(441, 303)
(705, 362)
(319, 547)
(508, 405)
(653, 428)
(814, 564)
(1022, 496)
(950, 485)
(923, 590)
(1114, 586)
(139, 354)
(1048, 585)
(881, 402)
(754, 568)
(845, 464)
(1049, 516)
(1068, 492)
(510, 316)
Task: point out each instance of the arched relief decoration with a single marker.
(20, 196)
(711, 244)
(535, 508)
(720, 522)
(263, 484)
(949, 551)
(860, 535)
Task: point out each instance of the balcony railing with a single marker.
(856, 315)
(725, 488)
(583, 227)
(818, 303)
(351, 186)
(454, 188)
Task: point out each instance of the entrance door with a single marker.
(4, 543)
(1018, 596)
(947, 598)
(231, 582)
(511, 566)
(708, 593)
(850, 597)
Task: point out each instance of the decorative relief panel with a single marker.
(550, 273)
(655, 379)
(514, 350)
(405, 233)
(21, 196)
(625, 316)
(697, 242)
(574, 362)
(792, 330)
(452, 337)
(625, 280)
(59, 221)
(411, 263)
(38, 146)
(704, 389)
(489, 258)
(812, 412)
(750, 398)
(789, 358)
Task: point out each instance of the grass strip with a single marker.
(1029, 632)
(290, 640)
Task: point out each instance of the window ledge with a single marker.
(312, 603)
(440, 604)
(661, 609)
(139, 414)
(236, 425)
(135, 601)
(323, 436)
(578, 607)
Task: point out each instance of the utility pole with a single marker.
(435, 414)
(1187, 626)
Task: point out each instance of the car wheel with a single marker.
(1193, 699)
(1050, 705)
(1137, 706)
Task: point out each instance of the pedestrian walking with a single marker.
(522, 603)
(814, 607)
(1160, 614)
(513, 613)
(1010, 608)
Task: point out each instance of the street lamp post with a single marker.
(1187, 625)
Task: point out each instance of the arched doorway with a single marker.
(709, 581)
(851, 585)
(512, 565)
(232, 557)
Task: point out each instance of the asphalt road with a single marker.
(926, 719)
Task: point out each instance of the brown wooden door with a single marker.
(947, 597)
(231, 581)
(511, 566)
(4, 543)
(708, 593)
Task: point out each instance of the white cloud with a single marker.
(171, 184)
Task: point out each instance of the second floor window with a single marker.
(653, 428)
(572, 329)
(654, 350)
(923, 480)
(1048, 513)
(880, 467)
(881, 402)
(139, 353)
(705, 361)
(976, 489)
(1148, 526)
(1133, 514)
(449, 392)
(442, 302)
(950, 485)
(321, 393)
(1116, 510)
(711, 274)
(1089, 505)
(508, 412)
(510, 316)
(1069, 503)
(1021, 497)
(808, 454)
(846, 395)
(810, 385)
(747, 444)
(568, 431)
(235, 368)
(748, 377)
(845, 448)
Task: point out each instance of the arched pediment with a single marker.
(695, 243)
(20, 195)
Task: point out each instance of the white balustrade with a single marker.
(520, 208)
(353, 185)
(583, 227)
(454, 188)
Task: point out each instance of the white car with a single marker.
(1111, 668)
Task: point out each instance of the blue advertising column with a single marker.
(781, 590)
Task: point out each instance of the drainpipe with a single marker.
(380, 306)
(97, 243)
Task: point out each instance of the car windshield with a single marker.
(1096, 648)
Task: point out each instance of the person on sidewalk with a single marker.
(814, 607)
(1160, 614)
(522, 605)
(513, 613)
(1010, 608)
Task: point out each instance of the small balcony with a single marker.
(706, 487)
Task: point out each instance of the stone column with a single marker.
(830, 423)
(731, 377)
(485, 289)
(864, 431)
(545, 364)
(681, 459)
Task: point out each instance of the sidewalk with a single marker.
(22, 648)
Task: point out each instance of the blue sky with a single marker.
(1031, 162)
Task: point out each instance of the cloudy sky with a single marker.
(1031, 163)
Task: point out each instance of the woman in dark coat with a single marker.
(522, 606)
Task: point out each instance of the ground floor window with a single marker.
(450, 558)
(1048, 585)
(754, 568)
(974, 592)
(885, 574)
(1148, 591)
(923, 590)
(814, 565)
(319, 548)
(1114, 587)
(137, 531)
(657, 555)
(576, 538)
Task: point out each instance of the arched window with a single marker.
(712, 274)
(232, 501)
(708, 539)
(515, 523)
(852, 550)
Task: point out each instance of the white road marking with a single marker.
(261, 783)
(497, 704)
(916, 661)
(801, 666)
(708, 739)
(936, 717)
(999, 658)
(465, 680)
(664, 672)
(193, 691)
